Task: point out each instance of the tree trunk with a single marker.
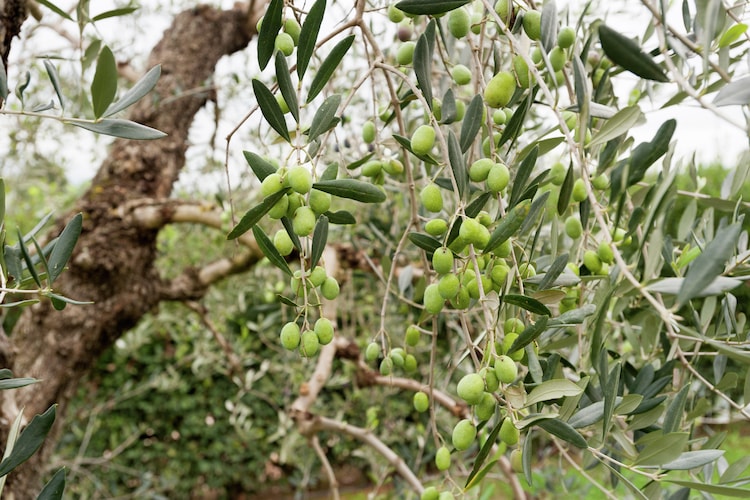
(113, 264)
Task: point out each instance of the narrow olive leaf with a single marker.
(63, 248)
(536, 206)
(320, 238)
(260, 167)
(2, 202)
(483, 453)
(4, 82)
(124, 11)
(477, 479)
(663, 449)
(448, 110)
(527, 303)
(328, 66)
(588, 415)
(270, 109)
(553, 389)
(710, 263)
(423, 67)
(580, 82)
(124, 129)
(308, 36)
(628, 54)
(476, 206)
(27, 260)
(54, 488)
(5, 373)
(19, 303)
(429, 7)
(269, 250)
(644, 155)
(15, 383)
(509, 225)
(54, 8)
(286, 86)
(472, 122)
(425, 242)
(529, 334)
(737, 92)
(21, 88)
(554, 270)
(566, 190)
(352, 189)
(12, 258)
(324, 117)
(715, 489)
(549, 25)
(732, 35)
(675, 410)
(458, 165)
(632, 487)
(29, 441)
(513, 128)
(269, 28)
(734, 471)
(692, 459)
(610, 397)
(67, 300)
(522, 175)
(289, 228)
(620, 124)
(11, 439)
(342, 217)
(54, 78)
(563, 431)
(255, 214)
(104, 84)
(142, 87)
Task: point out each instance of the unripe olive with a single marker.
(303, 221)
(516, 460)
(273, 183)
(504, 9)
(470, 388)
(410, 363)
(436, 227)
(393, 167)
(499, 273)
(557, 58)
(605, 252)
(505, 369)
(491, 383)
(368, 132)
(448, 286)
(330, 288)
(283, 242)
(579, 191)
(423, 139)
(280, 208)
(461, 74)
(433, 302)
(566, 37)
(600, 182)
(421, 401)
(320, 202)
(284, 43)
(405, 31)
(592, 262)
(498, 178)
(462, 299)
(486, 407)
(526, 270)
(405, 53)
(473, 286)
(459, 22)
(412, 335)
(557, 174)
(298, 284)
(442, 260)
(292, 28)
(508, 340)
(446, 495)
(503, 250)
(532, 24)
(521, 69)
(476, 22)
(443, 458)
(282, 103)
(397, 355)
(318, 276)
(300, 179)
(324, 330)
(509, 434)
(309, 345)
(484, 219)
(386, 366)
(372, 168)
(431, 198)
(573, 227)
(290, 336)
(296, 200)
(395, 15)
(479, 170)
(500, 89)
(498, 117)
(372, 352)
(464, 434)
(474, 233)
(430, 493)
(513, 325)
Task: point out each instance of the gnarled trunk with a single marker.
(113, 264)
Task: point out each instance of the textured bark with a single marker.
(12, 15)
(113, 264)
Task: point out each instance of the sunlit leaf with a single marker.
(621, 123)
(663, 449)
(553, 389)
(732, 35)
(734, 93)
(549, 25)
(142, 87)
(124, 129)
